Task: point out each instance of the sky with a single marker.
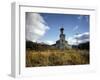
(45, 27)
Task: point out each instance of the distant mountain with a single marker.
(82, 46)
(38, 46)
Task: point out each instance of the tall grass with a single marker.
(56, 57)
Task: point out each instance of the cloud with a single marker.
(75, 28)
(84, 35)
(71, 41)
(36, 26)
(49, 42)
(81, 38)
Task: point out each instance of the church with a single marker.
(62, 43)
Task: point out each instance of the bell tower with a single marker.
(62, 35)
(62, 38)
(62, 44)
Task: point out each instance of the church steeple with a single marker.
(62, 35)
(62, 43)
(61, 30)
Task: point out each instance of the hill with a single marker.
(82, 46)
(38, 46)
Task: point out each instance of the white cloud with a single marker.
(35, 26)
(49, 42)
(85, 34)
(75, 28)
(81, 38)
(71, 41)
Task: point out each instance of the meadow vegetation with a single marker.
(56, 57)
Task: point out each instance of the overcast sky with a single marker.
(44, 27)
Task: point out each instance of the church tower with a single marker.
(62, 35)
(62, 38)
(62, 43)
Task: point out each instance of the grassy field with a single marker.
(56, 57)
